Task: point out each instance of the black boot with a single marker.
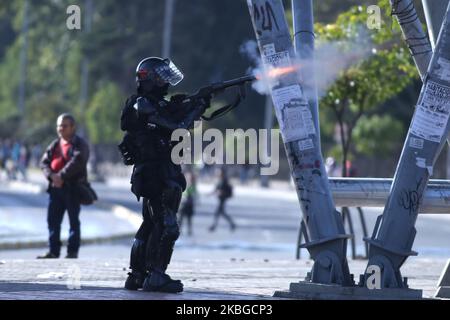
(135, 280)
(161, 282)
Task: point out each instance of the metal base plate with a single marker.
(443, 292)
(314, 291)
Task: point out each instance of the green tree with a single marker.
(365, 85)
(206, 39)
(380, 134)
(102, 115)
(50, 48)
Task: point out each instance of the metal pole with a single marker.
(413, 33)
(434, 14)
(23, 60)
(394, 232)
(374, 192)
(167, 32)
(268, 125)
(303, 23)
(420, 46)
(327, 241)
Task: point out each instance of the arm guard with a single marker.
(154, 118)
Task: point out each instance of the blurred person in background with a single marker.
(224, 191)
(188, 205)
(64, 164)
(35, 155)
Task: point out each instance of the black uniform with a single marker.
(149, 121)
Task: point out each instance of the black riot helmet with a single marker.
(154, 75)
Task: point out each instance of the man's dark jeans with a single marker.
(62, 199)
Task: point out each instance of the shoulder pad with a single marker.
(131, 100)
(144, 106)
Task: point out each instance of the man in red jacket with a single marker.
(64, 164)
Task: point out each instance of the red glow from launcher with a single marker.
(277, 72)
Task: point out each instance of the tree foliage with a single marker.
(355, 97)
(206, 38)
(104, 109)
(205, 45)
(377, 133)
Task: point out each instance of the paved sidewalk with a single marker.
(23, 218)
(251, 263)
(204, 279)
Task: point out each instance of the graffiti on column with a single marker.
(264, 16)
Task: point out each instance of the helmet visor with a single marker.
(169, 72)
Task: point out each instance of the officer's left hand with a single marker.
(205, 102)
(178, 98)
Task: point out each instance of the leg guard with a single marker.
(162, 241)
(138, 250)
(171, 198)
(137, 256)
(153, 245)
(137, 265)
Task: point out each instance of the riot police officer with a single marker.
(149, 120)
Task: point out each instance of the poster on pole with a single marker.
(293, 113)
(432, 112)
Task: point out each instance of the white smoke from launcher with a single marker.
(330, 60)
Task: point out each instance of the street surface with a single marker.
(249, 263)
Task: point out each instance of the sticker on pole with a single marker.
(432, 113)
(305, 144)
(293, 113)
(268, 49)
(277, 59)
(416, 143)
(443, 69)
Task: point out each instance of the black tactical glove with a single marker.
(204, 102)
(178, 98)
